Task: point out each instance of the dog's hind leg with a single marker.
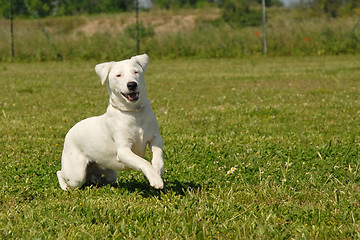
(73, 168)
(62, 182)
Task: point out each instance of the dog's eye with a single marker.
(119, 75)
(136, 72)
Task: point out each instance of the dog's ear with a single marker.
(142, 60)
(102, 70)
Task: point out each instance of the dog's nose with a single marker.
(131, 86)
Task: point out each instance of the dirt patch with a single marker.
(162, 22)
(102, 25)
(175, 24)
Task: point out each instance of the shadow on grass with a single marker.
(173, 187)
(144, 189)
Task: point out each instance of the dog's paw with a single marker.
(62, 182)
(154, 178)
(157, 182)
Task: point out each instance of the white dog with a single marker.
(97, 147)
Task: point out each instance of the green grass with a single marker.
(290, 127)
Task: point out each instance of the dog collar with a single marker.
(136, 110)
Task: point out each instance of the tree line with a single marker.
(44, 8)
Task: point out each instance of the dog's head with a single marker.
(125, 81)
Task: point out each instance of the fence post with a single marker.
(12, 32)
(264, 26)
(137, 27)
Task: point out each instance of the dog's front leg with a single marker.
(133, 161)
(157, 161)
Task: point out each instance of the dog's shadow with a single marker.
(171, 186)
(145, 190)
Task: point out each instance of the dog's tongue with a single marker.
(133, 96)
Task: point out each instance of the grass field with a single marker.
(255, 148)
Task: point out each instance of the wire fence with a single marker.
(47, 36)
(171, 34)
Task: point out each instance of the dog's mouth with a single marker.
(132, 97)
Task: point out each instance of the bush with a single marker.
(238, 12)
(171, 4)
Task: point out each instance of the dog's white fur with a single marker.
(97, 147)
